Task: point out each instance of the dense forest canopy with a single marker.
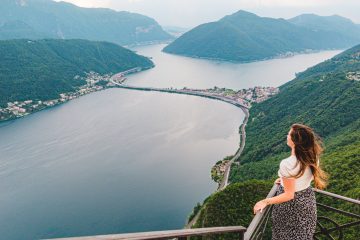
(42, 69)
(325, 97)
(244, 36)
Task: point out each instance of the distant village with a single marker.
(355, 76)
(291, 54)
(96, 82)
(244, 96)
(218, 170)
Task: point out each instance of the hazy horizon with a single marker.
(188, 14)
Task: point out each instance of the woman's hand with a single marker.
(259, 206)
(278, 181)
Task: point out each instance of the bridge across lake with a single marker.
(183, 91)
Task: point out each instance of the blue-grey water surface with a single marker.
(122, 161)
(178, 71)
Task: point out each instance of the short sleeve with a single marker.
(285, 170)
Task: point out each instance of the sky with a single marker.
(190, 13)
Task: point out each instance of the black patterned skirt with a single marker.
(295, 219)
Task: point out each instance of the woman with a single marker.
(294, 213)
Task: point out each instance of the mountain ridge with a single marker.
(43, 69)
(244, 37)
(50, 19)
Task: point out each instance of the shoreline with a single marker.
(8, 116)
(14, 118)
(117, 80)
(225, 181)
(238, 153)
(11, 119)
(148, 43)
(223, 60)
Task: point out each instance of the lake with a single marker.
(178, 71)
(119, 160)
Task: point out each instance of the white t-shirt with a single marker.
(290, 167)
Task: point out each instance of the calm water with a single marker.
(179, 72)
(110, 162)
(121, 161)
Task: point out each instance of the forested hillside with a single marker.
(42, 69)
(325, 97)
(244, 36)
(36, 19)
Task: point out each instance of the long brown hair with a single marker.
(308, 148)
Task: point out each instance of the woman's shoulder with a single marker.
(288, 166)
(290, 161)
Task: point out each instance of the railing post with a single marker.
(258, 224)
(241, 235)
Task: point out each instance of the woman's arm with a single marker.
(289, 192)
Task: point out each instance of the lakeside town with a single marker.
(354, 76)
(218, 170)
(96, 82)
(244, 96)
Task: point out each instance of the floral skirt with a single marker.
(295, 219)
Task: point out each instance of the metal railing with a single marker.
(327, 226)
(171, 234)
(257, 227)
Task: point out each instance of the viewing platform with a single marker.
(333, 222)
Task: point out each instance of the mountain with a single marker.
(334, 23)
(175, 31)
(36, 19)
(244, 36)
(326, 97)
(42, 69)
(18, 29)
(323, 96)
